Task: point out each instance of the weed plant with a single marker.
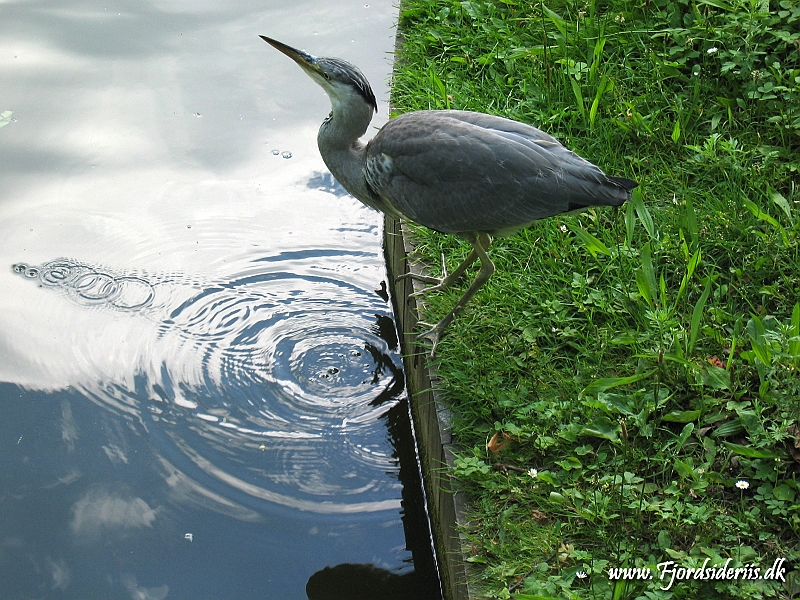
(627, 385)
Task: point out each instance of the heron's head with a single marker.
(343, 82)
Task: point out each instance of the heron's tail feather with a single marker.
(611, 191)
(628, 184)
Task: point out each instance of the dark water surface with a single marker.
(201, 394)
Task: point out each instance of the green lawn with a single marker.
(641, 361)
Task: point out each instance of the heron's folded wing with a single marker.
(456, 171)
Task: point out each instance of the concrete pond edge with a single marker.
(431, 419)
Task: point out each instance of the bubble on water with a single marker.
(95, 287)
(133, 293)
(91, 286)
(61, 272)
(287, 154)
(276, 152)
(25, 270)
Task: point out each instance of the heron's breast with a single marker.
(378, 171)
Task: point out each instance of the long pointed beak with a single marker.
(301, 58)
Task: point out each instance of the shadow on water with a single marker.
(272, 387)
(366, 581)
(361, 582)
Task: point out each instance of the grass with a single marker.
(623, 370)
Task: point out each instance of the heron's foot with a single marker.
(433, 334)
(419, 277)
(440, 283)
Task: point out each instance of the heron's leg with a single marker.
(479, 243)
(447, 280)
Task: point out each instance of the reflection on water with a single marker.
(362, 582)
(327, 183)
(272, 373)
(200, 394)
(275, 388)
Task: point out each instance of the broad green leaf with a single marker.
(602, 427)
(756, 331)
(728, 429)
(691, 221)
(685, 433)
(760, 214)
(690, 269)
(783, 204)
(643, 213)
(684, 470)
(606, 383)
(593, 245)
(676, 131)
(644, 288)
(597, 57)
(617, 402)
(794, 335)
(605, 85)
(716, 378)
(697, 314)
(438, 85)
(570, 463)
(620, 590)
(719, 4)
(576, 90)
(681, 416)
(664, 541)
(750, 452)
(625, 338)
(560, 23)
(783, 492)
(479, 559)
(646, 276)
(630, 222)
(547, 477)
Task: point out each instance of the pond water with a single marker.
(200, 382)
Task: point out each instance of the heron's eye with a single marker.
(326, 76)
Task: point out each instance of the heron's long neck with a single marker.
(341, 149)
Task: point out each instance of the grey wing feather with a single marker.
(457, 171)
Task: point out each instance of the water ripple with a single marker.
(271, 385)
(91, 285)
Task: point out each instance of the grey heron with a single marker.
(470, 174)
